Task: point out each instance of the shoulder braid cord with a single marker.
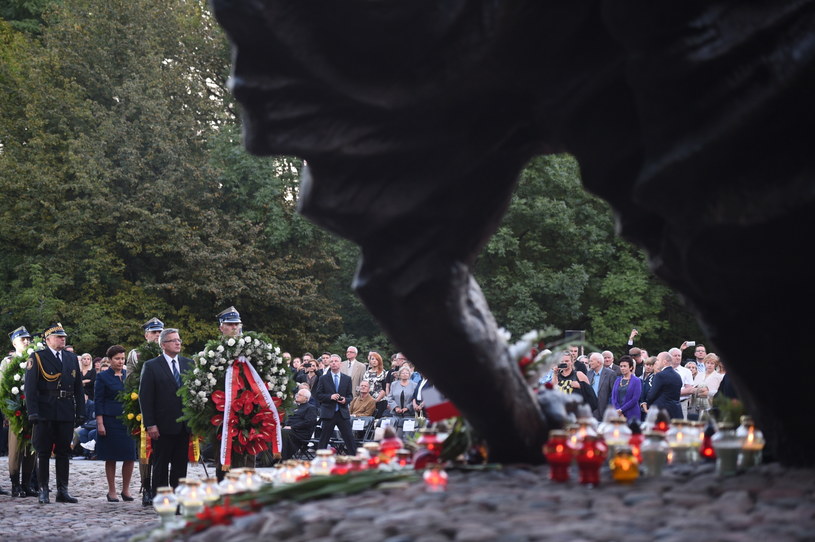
(46, 375)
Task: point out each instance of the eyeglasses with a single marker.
(636, 355)
(179, 341)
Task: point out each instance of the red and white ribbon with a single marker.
(257, 385)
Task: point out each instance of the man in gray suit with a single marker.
(601, 379)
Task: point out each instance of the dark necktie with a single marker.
(59, 356)
(337, 386)
(176, 374)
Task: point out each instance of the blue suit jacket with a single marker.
(664, 392)
(106, 390)
(325, 389)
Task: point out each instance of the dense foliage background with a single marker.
(126, 194)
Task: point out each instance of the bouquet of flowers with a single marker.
(131, 410)
(12, 393)
(237, 386)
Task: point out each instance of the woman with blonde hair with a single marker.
(707, 383)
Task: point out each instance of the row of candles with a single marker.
(193, 495)
(632, 453)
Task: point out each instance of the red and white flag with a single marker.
(437, 407)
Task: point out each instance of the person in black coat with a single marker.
(665, 387)
(55, 400)
(161, 408)
(300, 424)
(334, 393)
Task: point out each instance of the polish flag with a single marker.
(437, 407)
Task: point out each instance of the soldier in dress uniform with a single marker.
(19, 456)
(55, 400)
(229, 322)
(152, 330)
(230, 325)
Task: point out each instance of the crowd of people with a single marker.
(74, 401)
(635, 383)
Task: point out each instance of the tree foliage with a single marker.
(127, 194)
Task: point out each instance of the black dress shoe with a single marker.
(28, 491)
(126, 498)
(64, 496)
(111, 499)
(43, 497)
(147, 498)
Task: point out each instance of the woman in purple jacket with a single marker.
(625, 395)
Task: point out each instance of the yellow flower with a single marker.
(138, 417)
(130, 416)
(134, 395)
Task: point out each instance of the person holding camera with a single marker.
(568, 380)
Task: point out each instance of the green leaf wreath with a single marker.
(131, 411)
(12, 393)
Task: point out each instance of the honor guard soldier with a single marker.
(55, 401)
(152, 330)
(20, 457)
(229, 322)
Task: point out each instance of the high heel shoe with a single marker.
(126, 498)
(111, 499)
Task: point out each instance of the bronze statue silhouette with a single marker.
(692, 119)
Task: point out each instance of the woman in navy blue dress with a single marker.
(113, 443)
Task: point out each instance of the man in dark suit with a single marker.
(334, 393)
(300, 424)
(55, 400)
(161, 407)
(601, 379)
(665, 387)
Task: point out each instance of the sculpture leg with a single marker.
(453, 341)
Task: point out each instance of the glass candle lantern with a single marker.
(210, 491)
(654, 453)
(624, 466)
(435, 479)
(589, 460)
(250, 479)
(429, 441)
(230, 485)
(752, 443)
(192, 499)
(559, 455)
(322, 464)
(681, 440)
(165, 503)
(342, 465)
(179, 489)
(390, 446)
(403, 458)
(373, 454)
(616, 434)
(727, 446)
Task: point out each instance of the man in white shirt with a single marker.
(353, 368)
(687, 380)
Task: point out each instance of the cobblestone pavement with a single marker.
(514, 504)
(91, 519)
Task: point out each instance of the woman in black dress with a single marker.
(113, 443)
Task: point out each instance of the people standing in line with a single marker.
(88, 373)
(353, 368)
(379, 381)
(334, 394)
(55, 399)
(113, 443)
(149, 349)
(21, 458)
(161, 408)
(625, 395)
(665, 387)
(601, 380)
